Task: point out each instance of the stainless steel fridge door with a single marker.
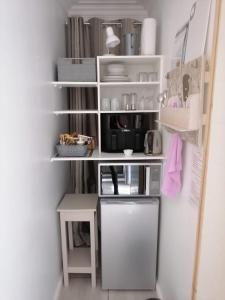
(129, 243)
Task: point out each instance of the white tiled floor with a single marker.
(80, 289)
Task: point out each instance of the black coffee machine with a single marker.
(122, 131)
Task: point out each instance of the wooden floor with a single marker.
(80, 289)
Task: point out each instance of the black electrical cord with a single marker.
(114, 180)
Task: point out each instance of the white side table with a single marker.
(78, 208)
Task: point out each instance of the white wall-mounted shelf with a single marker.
(103, 156)
(175, 128)
(135, 59)
(129, 111)
(129, 83)
(189, 119)
(61, 84)
(74, 112)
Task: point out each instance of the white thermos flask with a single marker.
(148, 36)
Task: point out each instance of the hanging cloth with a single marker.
(172, 182)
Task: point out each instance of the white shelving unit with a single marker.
(146, 111)
(105, 156)
(134, 65)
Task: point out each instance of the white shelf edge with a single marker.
(128, 111)
(74, 112)
(110, 157)
(132, 57)
(129, 83)
(176, 128)
(62, 84)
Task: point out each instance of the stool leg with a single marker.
(93, 252)
(64, 251)
(70, 235)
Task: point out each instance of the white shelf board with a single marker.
(79, 260)
(62, 84)
(94, 156)
(128, 111)
(74, 112)
(103, 156)
(176, 128)
(130, 58)
(135, 156)
(129, 83)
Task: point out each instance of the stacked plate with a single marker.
(115, 72)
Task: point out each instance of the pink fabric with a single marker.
(172, 177)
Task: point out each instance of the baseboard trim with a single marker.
(58, 288)
(159, 293)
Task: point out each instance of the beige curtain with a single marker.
(89, 41)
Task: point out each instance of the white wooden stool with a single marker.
(78, 208)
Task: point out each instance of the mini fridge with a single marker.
(129, 242)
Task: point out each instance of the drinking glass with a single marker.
(126, 102)
(142, 76)
(141, 103)
(152, 76)
(133, 97)
(115, 104)
(105, 104)
(149, 103)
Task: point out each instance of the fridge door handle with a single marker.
(131, 202)
(147, 181)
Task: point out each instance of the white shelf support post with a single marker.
(93, 250)
(64, 250)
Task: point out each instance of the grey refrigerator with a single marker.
(129, 242)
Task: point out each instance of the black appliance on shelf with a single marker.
(123, 131)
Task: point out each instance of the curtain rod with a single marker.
(112, 23)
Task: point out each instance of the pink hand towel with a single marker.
(172, 177)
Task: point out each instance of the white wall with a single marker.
(212, 262)
(179, 215)
(31, 38)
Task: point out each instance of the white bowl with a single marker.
(128, 152)
(116, 69)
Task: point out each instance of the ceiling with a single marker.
(107, 9)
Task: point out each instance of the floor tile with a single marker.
(130, 295)
(80, 289)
